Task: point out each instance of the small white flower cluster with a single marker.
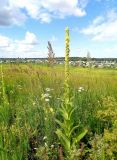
(46, 96)
(44, 138)
(80, 89)
(52, 146)
(49, 89)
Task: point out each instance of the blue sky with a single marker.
(27, 25)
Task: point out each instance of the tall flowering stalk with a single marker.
(67, 131)
(67, 50)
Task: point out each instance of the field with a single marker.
(34, 124)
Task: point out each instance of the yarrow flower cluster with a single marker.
(80, 89)
(46, 96)
(48, 89)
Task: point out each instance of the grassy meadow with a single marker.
(32, 126)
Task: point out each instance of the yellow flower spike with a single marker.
(67, 50)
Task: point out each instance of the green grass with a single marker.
(27, 122)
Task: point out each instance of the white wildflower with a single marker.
(47, 100)
(45, 95)
(46, 144)
(44, 137)
(52, 146)
(80, 89)
(48, 89)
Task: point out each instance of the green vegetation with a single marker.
(47, 113)
(31, 97)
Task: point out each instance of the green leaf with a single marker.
(64, 140)
(72, 130)
(62, 125)
(79, 137)
(64, 113)
(71, 112)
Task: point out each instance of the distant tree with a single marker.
(88, 57)
(51, 54)
(89, 63)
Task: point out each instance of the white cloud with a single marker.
(19, 48)
(4, 41)
(46, 10)
(9, 14)
(103, 28)
(27, 44)
(17, 11)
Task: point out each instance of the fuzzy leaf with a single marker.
(64, 140)
(79, 137)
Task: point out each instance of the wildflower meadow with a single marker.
(57, 112)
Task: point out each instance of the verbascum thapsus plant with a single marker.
(66, 132)
(67, 50)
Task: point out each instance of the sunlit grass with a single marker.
(31, 117)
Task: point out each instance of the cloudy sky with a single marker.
(27, 25)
